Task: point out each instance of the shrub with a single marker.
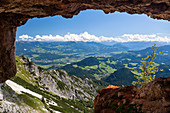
(148, 69)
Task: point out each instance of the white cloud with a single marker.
(86, 37)
(26, 38)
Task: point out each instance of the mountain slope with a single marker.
(120, 77)
(60, 92)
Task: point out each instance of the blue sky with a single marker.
(95, 22)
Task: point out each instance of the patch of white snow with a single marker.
(19, 89)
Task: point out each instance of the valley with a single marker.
(94, 60)
(57, 54)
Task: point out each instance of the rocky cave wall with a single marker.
(14, 13)
(153, 97)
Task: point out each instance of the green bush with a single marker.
(148, 69)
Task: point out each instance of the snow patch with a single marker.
(19, 89)
(50, 102)
(44, 109)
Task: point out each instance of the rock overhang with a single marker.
(67, 8)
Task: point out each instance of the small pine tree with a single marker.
(148, 69)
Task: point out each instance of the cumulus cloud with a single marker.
(86, 37)
(26, 38)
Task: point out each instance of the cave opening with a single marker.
(113, 44)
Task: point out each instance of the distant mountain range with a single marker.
(137, 45)
(48, 54)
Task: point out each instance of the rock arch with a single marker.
(14, 13)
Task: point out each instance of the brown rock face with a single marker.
(8, 27)
(109, 99)
(7, 54)
(14, 13)
(153, 97)
(67, 8)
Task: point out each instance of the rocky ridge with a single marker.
(59, 82)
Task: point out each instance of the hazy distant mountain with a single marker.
(141, 45)
(109, 42)
(165, 49)
(136, 45)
